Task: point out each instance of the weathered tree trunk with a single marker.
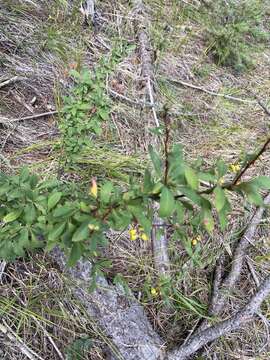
(122, 319)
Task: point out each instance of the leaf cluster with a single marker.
(37, 214)
(87, 106)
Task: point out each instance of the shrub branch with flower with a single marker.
(44, 214)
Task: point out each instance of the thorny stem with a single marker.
(249, 164)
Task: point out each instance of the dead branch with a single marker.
(221, 293)
(239, 257)
(18, 342)
(199, 88)
(3, 265)
(159, 243)
(147, 73)
(30, 117)
(216, 331)
(11, 81)
(129, 101)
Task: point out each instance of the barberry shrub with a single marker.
(43, 214)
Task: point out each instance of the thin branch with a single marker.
(30, 117)
(3, 265)
(151, 98)
(159, 242)
(11, 81)
(14, 338)
(216, 331)
(222, 290)
(249, 164)
(229, 97)
(230, 185)
(126, 99)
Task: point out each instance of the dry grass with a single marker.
(40, 41)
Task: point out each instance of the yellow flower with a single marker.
(199, 238)
(235, 168)
(154, 292)
(221, 181)
(144, 237)
(93, 189)
(194, 242)
(93, 227)
(133, 234)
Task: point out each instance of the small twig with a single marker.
(30, 117)
(253, 272)
(229, 97)
(51, 341)
(151, 97)
(11, 81)
(216, 331)
(3, 265)
(265, 109)
(217, 282)
(12, 336)
(230, 185)
(124, 98)
(249, 164)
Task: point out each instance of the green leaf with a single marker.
(12, 216)
(157, 163)
(220, 198)
(147, 182)
(221, 168)
(106, 192)
(75, 254)
(48, 184)
(192, 195)
(57, 231)
(208, 221)
(223, 215)
(54, 199)
(24, 174)
(167, 203)
(192, 178)
(139, 213)
(4, 189)
(104, 114)
(262, 182)
(63, 211)
(176, 163)
(255, 198)
(30, 213)
(121, 219)
(82, 233)
(180, 212)
(251, 190)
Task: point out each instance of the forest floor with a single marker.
(40, 42)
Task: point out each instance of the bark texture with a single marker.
(122, 319)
